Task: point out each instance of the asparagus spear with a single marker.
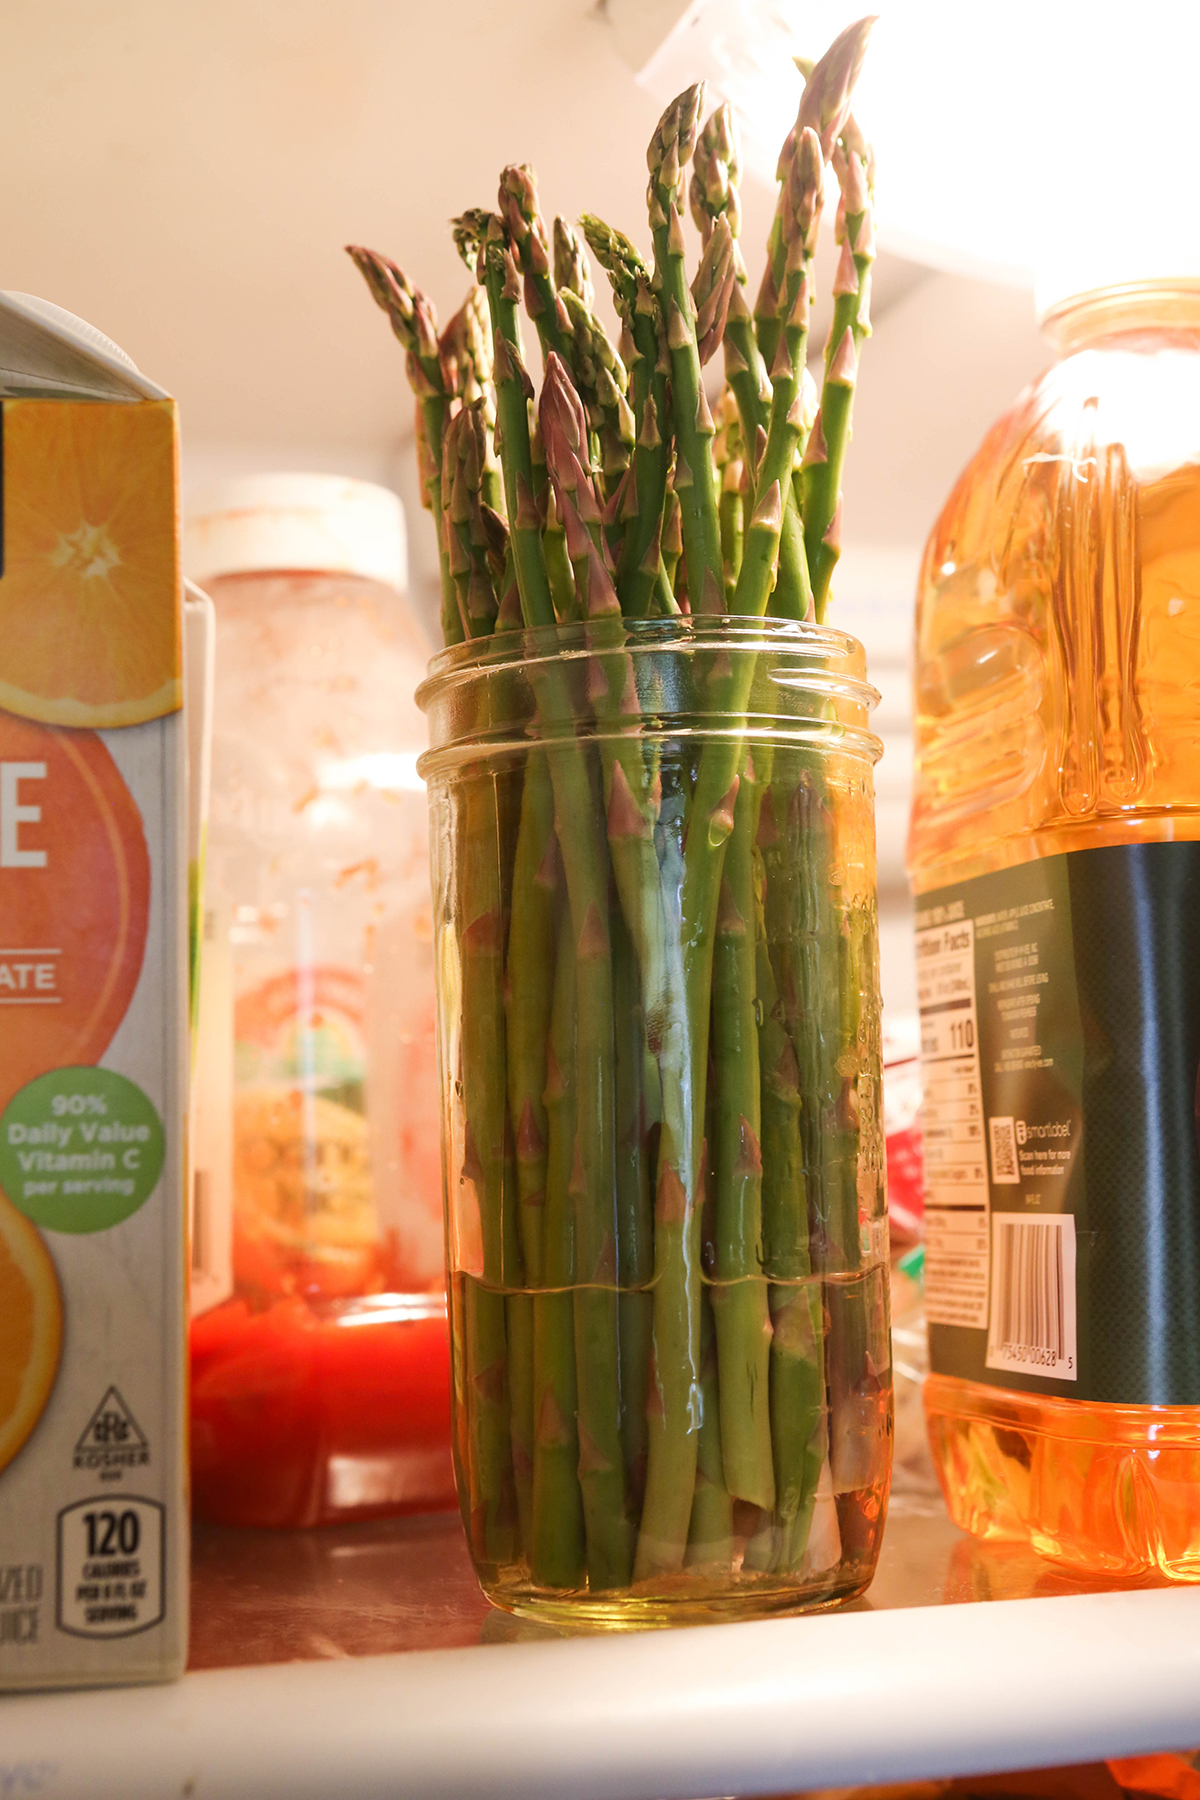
(822, 499)
(601, 1457)
(714, 194)
(629, 791)
(601, 382)
(731, 469)
(854, 1382)
(634, 1205)
(825, 103)
(797, 1346)
(745, 1334)
(572, 273)
(608, 1525)
(713, 811)
(630, 788)
(528, 990)
(640, 560)
(466, 351)
(558, 566)
(530, 241)
(712, 191)
(671, 1443)
(482, 1052)
(710, 1528)
(739, 1295)
(798, 218)
(414, 322)
(669, 150)
(482, 237)
(711, 288)
(672, 538)
(824, 106)
(741, 1310)
(481, 563)
(476, 537)
(557, 1553)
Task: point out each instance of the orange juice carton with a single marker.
(93, 1014)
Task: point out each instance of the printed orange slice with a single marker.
(30, 1329)
(74, 899)
(89, 577)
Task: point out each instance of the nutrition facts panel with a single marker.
(956, 1178)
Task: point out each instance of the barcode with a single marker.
(1004, 1151)
(1032, 1325)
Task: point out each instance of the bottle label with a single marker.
(305, 1217)
(1060, 1043)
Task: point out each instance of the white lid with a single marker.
(256, 523)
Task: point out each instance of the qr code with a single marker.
(1004, 1152)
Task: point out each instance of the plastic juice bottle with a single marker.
(320, 1386)
(93, 1014)
(1055, 853)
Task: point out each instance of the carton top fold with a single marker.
(48, 352)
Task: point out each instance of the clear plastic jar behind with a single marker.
(317, 848)
(319, 934)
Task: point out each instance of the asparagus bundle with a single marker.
(659, 994)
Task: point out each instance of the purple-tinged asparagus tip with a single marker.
(563, 424)
(803, 192)
(825, 103)
(412, 315)
(674, 137)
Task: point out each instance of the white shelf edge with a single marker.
(770, 1707)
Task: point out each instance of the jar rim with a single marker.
(1072, 319)
(809, 662)
(688, 632)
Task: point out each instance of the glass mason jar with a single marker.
(1056, 823)
(653, 872)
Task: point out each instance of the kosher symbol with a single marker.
(113, 1440)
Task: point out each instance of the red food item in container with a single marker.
(308, 1412)
(902, 1135)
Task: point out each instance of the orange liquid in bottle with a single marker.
(1058, 709)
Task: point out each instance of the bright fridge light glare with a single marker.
(1055, 138)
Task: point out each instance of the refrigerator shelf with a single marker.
(363, 1661)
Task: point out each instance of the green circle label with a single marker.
(80, 1149)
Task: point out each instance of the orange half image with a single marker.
(30, 1329)
(74, 899)
(89, 589)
